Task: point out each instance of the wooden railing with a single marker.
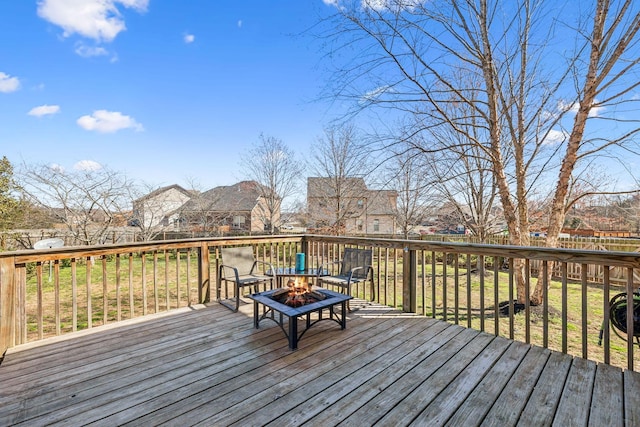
(52, 292)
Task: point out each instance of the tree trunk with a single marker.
(559, 203)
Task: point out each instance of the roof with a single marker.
(324, 187)
(161, 190)
(242, 196)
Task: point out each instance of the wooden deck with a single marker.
(208, 366)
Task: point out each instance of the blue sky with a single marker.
(167, 92)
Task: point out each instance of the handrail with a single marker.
(55, 291)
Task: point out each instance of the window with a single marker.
(376, 225)
(360, 203)
(238, 221)
(359, 224)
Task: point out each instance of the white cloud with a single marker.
(373, 95)
(565, 106)
(8, 83)
(44, 110)
(189, 38)
(56, 167)
(239, 23)
(96, 19)
(104, 121)
(555, 137)
(89, 51)
(380, 5)
(87, 165)
(375, 4)
(330, 2)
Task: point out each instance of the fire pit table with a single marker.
(281, 303)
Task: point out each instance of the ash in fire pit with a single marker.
(297, 294)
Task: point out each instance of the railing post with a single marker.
(8, 302)
(409, 281)
(204, 274)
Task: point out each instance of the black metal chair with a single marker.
(240, 267)
(355, 267)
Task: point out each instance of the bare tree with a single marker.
(88, 201)
(273, 165)
(156, 209)
(336, 193)
(629, 209)
(415, 189)
(463, 177)
(534, 100)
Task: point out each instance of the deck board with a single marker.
(631, 383)
(607, 397)
(573, 408)
(474, 407)
(510, 403)
(208, 366)
(543, 402)
(412, 403)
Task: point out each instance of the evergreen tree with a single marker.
(10, 211)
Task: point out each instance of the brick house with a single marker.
(232, 208)
(348, 206)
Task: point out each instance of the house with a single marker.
(346, 205)
(237, 208)
(159, 208)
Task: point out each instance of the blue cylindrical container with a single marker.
(299, 262)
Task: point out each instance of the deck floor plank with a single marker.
(300, 405)
(356, 387)
(241, 381)
(607, 404)
(573, 408)
(285, 384)
(442, 407)
(475, 406)
(117, 389)
(334, 368)
(130, 372)
(230, 373)
(57, 374)
(631, 387)
(541, 405)
(405, 382)
(413, 402)
(208, 366)
(88, 348)
(510, 403)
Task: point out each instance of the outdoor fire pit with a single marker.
(288, 305)
(297, 293)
